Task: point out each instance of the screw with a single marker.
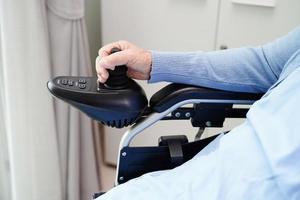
(223, 47)
(124, 154)
(177, 114)
(208, 123)
(187, 114)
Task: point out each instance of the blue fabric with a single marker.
(259, 159)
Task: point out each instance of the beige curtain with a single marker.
(70, 56)
(51, 146)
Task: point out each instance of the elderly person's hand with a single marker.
(136, 59)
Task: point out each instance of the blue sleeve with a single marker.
(247, 69)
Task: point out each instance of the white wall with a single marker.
(92, 17)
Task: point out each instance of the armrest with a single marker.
(176, 93)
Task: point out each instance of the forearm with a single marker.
(243, 69)
(234, 70)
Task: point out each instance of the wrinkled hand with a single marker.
(136, 59)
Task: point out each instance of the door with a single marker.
(254, 22)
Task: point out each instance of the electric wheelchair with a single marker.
(121, 102)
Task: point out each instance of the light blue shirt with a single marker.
(259, 159)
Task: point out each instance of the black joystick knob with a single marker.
(118, 78)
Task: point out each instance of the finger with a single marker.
(102, 74)
(98, 65)
(101, 80)
(97, 60)
(101, 65)
(116, 59)
(105, 50)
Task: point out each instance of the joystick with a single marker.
(118, 78)
(118, 103)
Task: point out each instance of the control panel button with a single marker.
(81, 81)
(82, 86)
(64, 81)
(70, 83)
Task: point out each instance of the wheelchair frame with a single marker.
(155, 117)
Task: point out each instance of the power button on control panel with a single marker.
(82, 81)
(64, 81)
(82, 86)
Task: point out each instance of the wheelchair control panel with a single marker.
(117, 103)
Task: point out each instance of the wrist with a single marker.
(148, 63)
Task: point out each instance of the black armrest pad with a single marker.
(175, 93)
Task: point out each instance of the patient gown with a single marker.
(259, 159)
